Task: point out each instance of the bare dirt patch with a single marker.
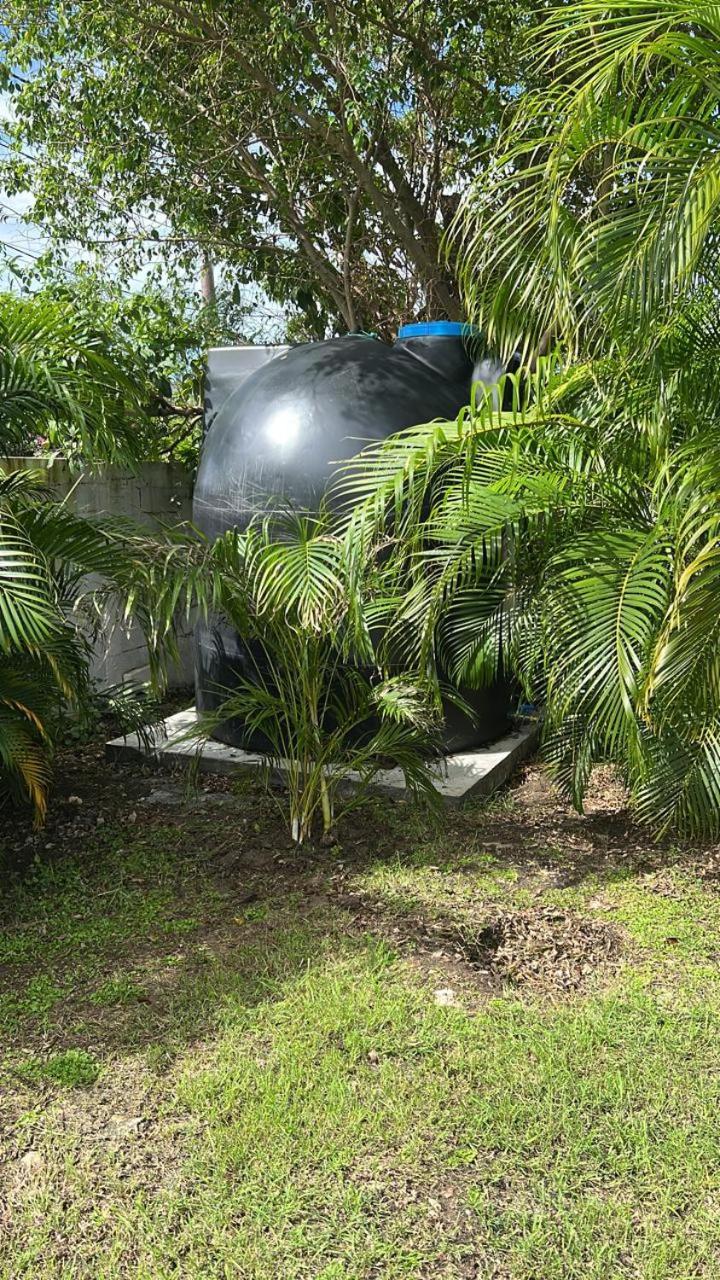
(543, 948)
(544, 951)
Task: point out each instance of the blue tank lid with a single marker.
(437, 329)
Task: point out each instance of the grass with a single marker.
(247, 1072)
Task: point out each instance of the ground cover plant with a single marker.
(491, 1050)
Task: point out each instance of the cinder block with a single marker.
(137, 675)
(159, 492)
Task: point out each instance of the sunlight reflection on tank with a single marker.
(283, 428)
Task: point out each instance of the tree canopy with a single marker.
(319, 148)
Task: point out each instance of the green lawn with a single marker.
(240, 1066)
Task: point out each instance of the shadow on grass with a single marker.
(136, 944)
(142, 936)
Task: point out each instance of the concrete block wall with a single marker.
(158, 493)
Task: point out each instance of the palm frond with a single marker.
(602, 201)
(28, 614)
(57, 378)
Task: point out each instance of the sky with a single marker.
(16, 237)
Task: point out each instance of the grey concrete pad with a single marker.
(467, 773)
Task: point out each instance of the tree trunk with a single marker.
(207, 279)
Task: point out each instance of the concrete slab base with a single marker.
(468, 773)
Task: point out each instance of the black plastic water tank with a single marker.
(277, 420)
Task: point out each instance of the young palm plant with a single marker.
(58, 380)
(48, 557)
(331, 717)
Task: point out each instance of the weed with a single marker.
(73, 1068)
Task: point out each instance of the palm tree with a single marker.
(57, 378)
(575, 539)
(602, 206)
(578, 536)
